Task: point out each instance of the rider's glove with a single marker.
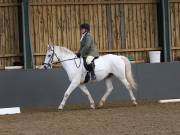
(78, 55)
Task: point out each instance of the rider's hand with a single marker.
(78, 55)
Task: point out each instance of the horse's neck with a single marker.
(68, 63)
(65, 54)
(66, 57)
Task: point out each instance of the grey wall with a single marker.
(47, 87)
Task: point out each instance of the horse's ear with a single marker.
(49, 47)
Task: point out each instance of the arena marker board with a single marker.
(169, 101)
(12, 110)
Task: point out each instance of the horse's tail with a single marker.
(129, 74)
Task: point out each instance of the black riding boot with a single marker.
(93, 76)
(91, 67)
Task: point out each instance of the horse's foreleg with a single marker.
(86, 91)
(70, 89)
(109, 86)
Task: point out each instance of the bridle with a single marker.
(49, 64)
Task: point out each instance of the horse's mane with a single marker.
(66, 51)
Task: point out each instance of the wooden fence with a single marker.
(9, 35)
(175, 28)
(120, 27)
(127, 27)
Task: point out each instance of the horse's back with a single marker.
(108, 61)
(111, 58)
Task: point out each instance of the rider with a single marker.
(88, 49)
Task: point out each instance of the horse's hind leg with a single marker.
(127, 85)
(86, 91)
(109, 86)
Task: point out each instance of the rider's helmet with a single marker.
(85, 26)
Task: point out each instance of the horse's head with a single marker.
(51, 56)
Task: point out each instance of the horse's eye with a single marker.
(49, 55)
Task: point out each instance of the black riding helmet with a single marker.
(85, 26)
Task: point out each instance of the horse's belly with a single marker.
(100, 75)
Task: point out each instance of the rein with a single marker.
(61, 61)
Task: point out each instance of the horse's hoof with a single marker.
(101, 104)
(60, 107)
(135, 103)
(92, 106)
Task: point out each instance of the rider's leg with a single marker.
(91, 67)
(90, 64)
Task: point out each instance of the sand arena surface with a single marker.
(145, 119)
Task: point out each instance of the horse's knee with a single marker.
(109, 86)
(66, 95)
(110, 89)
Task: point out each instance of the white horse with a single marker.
(106, 66)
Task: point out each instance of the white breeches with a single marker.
(89, 59)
